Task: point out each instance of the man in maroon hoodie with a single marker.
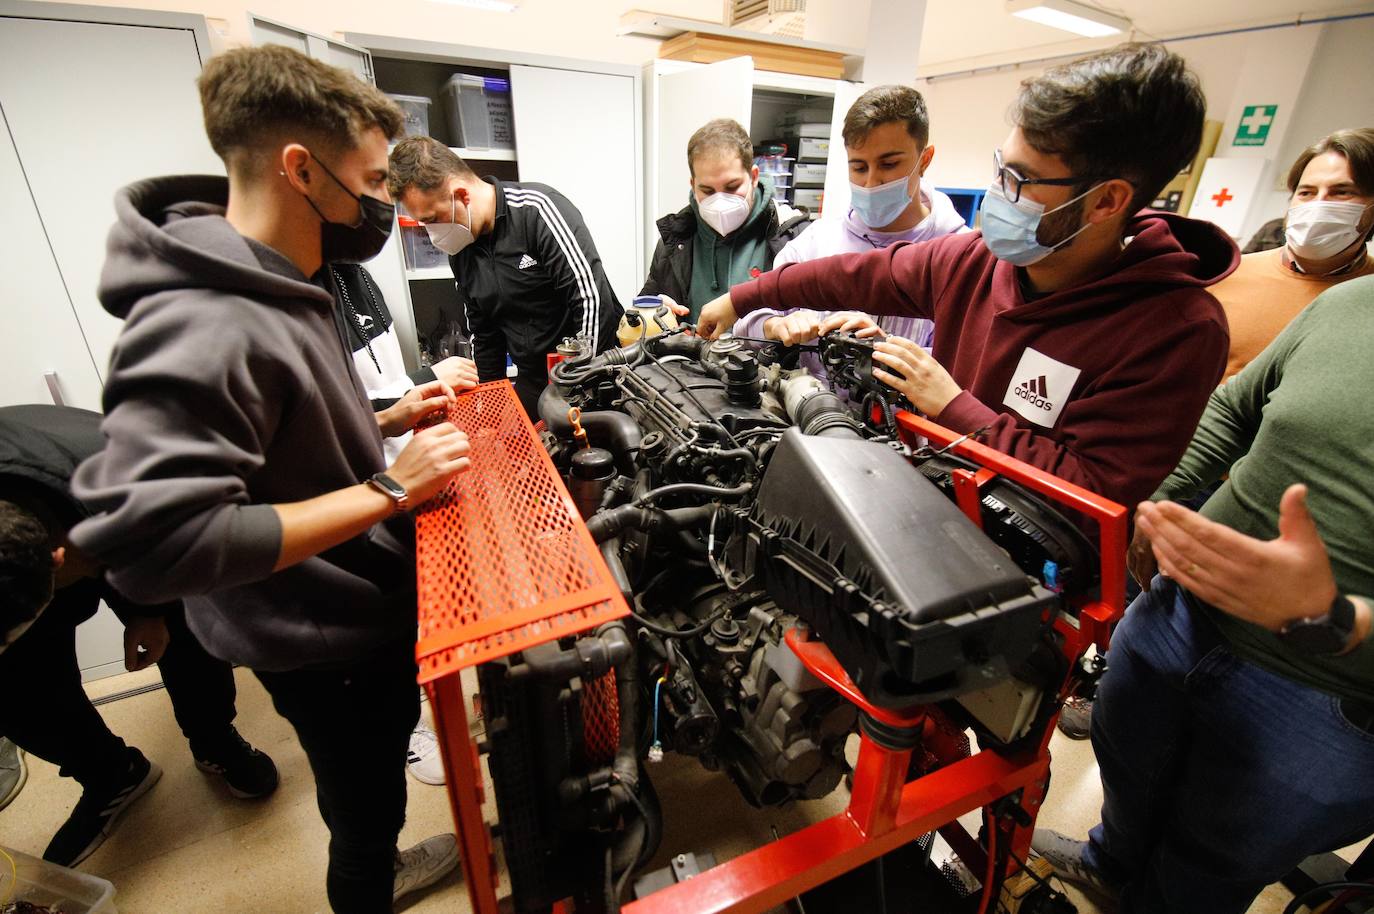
(1075, 328)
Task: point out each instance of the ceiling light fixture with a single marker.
(1070, 16)
(491, 6)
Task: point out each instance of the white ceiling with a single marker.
(967, 33)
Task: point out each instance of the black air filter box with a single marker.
(913, 599)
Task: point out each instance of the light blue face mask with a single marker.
(1009, 228)
(880, 206)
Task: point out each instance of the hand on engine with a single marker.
(793, 329)
(717, 317)
(920, 378)
(855, 322)
(429, 460)
(456, 372)
(673, 306)
(401, 416)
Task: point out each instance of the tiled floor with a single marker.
(189, 847)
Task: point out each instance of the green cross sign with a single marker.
(1255, 122)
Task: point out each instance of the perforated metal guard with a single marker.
(504, 560)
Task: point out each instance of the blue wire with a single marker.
(657, 686)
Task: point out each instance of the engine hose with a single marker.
(606, 525)
(615, 431)
(823, 414)
(694, 488)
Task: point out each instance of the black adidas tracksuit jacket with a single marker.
(533, 280)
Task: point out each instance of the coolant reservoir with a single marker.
(646, 307)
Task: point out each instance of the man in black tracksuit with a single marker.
(526, 268)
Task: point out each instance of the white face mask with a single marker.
(1321, 229)
(724, 212)
(450, 237)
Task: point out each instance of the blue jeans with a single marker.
(1218, 776)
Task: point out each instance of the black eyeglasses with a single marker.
(1012, 180)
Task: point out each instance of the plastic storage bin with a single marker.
(808, 197)
(416, 110)
(812, 148)
(809, 173)
(479, 111)
(420, 252)
(42, 883)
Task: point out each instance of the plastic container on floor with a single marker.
(42, 883)
(479, 111)
(416, 111)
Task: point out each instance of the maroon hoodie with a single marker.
(1101, 384)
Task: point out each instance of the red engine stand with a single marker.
(465, 620)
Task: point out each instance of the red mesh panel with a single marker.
(504, 560)
(601, 719)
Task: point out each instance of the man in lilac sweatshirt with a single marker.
(886, 134)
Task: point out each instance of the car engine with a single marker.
(734, 498)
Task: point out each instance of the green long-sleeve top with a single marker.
(1300, 412)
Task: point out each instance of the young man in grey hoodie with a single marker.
(244, 469)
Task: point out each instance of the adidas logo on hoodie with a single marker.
(1039, 388)
(526, 261)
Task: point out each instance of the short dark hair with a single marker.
(1357, 145)
(424, 163)
(1134, 111)
(884, 105)
(251, 96)
(724, 137)
(26, 566)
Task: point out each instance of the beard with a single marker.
(1058, 226)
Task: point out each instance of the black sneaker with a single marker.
(248, 773)
(97, 813)
(1075, 720)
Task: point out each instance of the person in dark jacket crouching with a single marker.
(51, 588)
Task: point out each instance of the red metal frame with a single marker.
(884, 811)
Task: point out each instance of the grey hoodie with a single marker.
(229, 390)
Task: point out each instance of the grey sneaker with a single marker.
(1066, 856)
(425, 864)
(1075, 719)
(13, 771)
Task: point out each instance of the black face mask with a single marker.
(340, 243)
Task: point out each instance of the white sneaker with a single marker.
(423, 760)
(13, 771)
(425, 864)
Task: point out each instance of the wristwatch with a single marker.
(1325, 634)
(397, 492)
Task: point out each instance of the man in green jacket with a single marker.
(731, 229)
(1234, 728)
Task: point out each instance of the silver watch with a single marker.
(391, 489)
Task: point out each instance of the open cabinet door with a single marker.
(555, 108)
(686, 101)
(836, 201)
(321, 47)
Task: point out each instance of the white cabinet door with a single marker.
(836, 202)
(92, 107)
(557, 112)
(684, 102)
(321, 47)
(42, 334)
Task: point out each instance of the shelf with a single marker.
(484, 155)
(442, 272)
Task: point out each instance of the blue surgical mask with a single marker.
(1009, 228)
(880, 206)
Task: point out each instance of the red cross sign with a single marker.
(1223, 197)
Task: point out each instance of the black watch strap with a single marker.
(1325, 634)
